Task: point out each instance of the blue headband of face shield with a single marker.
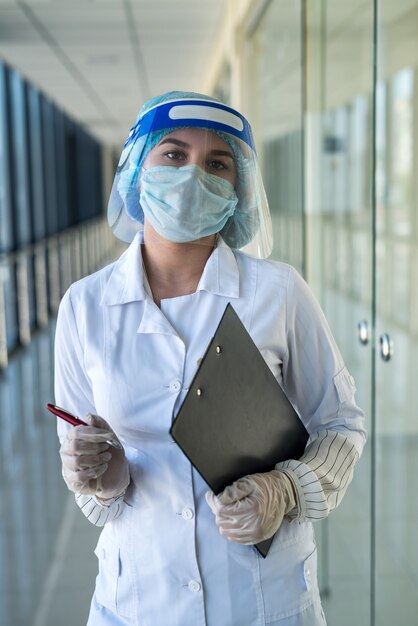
(192, 113)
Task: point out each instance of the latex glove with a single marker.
(252, 508)
(92, 466)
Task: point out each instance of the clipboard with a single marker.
(236, 419)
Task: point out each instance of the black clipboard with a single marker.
(236, 419)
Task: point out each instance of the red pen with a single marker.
(65, 415)
(74, 420)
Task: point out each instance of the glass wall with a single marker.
(333, 90)
(396, 434)
(362, 129)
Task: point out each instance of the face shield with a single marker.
(189, 169)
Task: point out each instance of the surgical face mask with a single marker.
(186, 203)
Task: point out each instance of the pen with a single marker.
(75, 421)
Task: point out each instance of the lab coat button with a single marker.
(194, 586)
(187, 513)
(175, 385)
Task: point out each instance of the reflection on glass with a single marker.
(338, 164)
(400, 186)
(396, 534)
(32, 492)
(276, 78)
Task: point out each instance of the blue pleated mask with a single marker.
(186, 203)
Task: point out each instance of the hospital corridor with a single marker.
(280, 137)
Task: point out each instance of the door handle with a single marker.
(386, 347)
(363, 332)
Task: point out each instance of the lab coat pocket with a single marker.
(289, 581)
(112, 583)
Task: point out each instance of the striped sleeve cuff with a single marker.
(99, 513)
(321, 476)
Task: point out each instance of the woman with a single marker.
(188, 195)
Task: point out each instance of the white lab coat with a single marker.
(162, 561)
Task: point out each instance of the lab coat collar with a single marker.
(221, 275)
(126, 282)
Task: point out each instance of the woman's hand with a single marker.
(252, 508)
(90, 465)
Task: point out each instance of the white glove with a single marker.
(90, 465)
(252, 508)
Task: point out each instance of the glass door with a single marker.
(396, 432)
(339, 219)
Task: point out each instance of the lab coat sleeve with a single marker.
(322, 390)
(321, 476)
(97, 513)
(73, 392)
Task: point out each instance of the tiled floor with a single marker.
(47, 565)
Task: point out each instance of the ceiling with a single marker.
(99, 60)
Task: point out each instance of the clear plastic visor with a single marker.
(186, 179)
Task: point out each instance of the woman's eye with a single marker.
(217, 165)
(175, 155)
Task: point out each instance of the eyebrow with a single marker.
(183, 144)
